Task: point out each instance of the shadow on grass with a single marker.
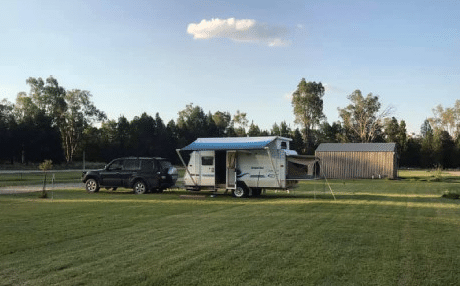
(270, 196)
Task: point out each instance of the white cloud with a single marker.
(332, 89)
(243, 30)
(288, 96)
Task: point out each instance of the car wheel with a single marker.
(92, 186)
(240, 191)
(139, 187)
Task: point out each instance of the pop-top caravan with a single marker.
(245, 165)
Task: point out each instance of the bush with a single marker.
(450, 195)
(437, 174)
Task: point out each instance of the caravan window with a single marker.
(207, 161)
(283, 145)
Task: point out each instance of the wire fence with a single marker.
(35, 180)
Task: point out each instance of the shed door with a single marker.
(207, 172)
(231, 170)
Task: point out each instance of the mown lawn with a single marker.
(376, 232)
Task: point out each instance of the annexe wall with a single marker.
(358, 160)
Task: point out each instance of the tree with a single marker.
(285, 131)
(391, 127)
(308, 108)
(275, 130)
(444, 149)
(363, 118)
(242, 122)
(78, 115)
(426, 146)
(223, 122)
(329, 133)
(447, 119)
(70, 111)
(297, 143)
(7, 128)
(191, 124)
(254, 130)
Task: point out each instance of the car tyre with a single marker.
(92, 186)
(139, 187)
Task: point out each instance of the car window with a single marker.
(115, 165)
(147, 165)
(165, 165)
(131, 165)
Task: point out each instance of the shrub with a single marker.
(450, 195)
(437, 174)
(45, 166)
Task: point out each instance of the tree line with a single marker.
(51, 122)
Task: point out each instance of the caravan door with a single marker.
(231, 170)
(207, 170)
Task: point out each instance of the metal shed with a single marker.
(358, 160)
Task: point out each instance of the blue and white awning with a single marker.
(231, 143)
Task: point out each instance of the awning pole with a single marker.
(185, 165)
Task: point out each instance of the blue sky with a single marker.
(157, 56)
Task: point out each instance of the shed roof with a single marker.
(356, 147)
(231, 143)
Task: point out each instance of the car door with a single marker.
(151, 172)
(111, 175)
(130, 169)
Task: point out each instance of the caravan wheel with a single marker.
(240, 191)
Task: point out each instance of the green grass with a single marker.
(377, 232)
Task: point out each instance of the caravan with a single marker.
(245, 165)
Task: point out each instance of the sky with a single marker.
(158, 56)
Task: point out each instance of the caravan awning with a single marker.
(230, 143)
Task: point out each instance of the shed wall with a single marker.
(350, 165)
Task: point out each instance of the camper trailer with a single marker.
(245, 165)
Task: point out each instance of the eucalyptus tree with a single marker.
(78, 115)
(363, 118)
(70, 111)
(307, 102)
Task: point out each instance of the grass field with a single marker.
(376, 232)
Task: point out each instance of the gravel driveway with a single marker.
(39, 188)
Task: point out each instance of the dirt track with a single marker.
(39, 188)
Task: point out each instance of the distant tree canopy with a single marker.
(52, 123)
(70, 112)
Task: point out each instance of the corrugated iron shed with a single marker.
(358, 160)
(356, 147)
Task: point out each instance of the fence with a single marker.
(34, 180)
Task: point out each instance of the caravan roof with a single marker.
(231, 143)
